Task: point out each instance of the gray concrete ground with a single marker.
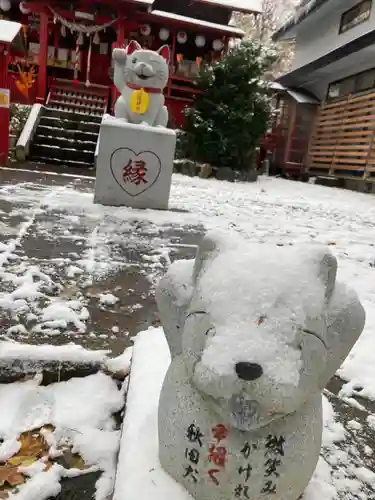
(135, 310)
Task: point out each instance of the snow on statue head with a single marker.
(140, 76)
(255, 333)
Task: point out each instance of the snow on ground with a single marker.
(84, 424)
(70, 353)
(273, 211)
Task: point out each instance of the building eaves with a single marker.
(302, 12)
(297, 76)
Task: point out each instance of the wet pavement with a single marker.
(57, 239)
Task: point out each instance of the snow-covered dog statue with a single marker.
(255, 334)
(140, 76)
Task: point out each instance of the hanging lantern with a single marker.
(182, 37)
(180, 58)
(164, 34)
(218, 45)
(145, 30)
(5, 5)
(200, 41)
(96, 39)
(63, 31)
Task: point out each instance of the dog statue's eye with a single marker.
(299, 347)
(134, 61)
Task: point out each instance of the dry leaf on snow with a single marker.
(9, 475)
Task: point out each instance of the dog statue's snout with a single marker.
(248, 371)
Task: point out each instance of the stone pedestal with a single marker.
(134, 164)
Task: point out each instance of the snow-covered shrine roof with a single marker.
(301, 12)
(246, 6)
(149, 3)
(223, 28)
(9, 30)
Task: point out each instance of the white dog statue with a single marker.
(255, 333)
(140, 76)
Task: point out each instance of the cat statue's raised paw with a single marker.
(141, 76)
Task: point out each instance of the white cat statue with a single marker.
(140, 76)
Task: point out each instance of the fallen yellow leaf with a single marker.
(20, 460)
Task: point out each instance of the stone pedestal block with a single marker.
(134, 164)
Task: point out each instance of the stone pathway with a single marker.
(121, 265)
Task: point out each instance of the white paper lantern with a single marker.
(145, 30)
(164, 34)
(5, 5)
(218, 45)
(24, 8)
(182, 37)
(200, 41)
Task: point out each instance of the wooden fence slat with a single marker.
(352, 160)
(328, 148)
(347, 167)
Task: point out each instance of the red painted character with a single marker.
(220, 432)
(217, 455)
(135, 172)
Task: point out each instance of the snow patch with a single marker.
(108, 299)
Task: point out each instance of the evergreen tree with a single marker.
(233, 110)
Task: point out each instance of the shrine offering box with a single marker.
(134, 164)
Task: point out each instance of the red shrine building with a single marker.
(67, 45)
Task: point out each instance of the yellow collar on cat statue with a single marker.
(140, 100)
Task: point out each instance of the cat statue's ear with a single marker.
(132, 47)
(165, 53)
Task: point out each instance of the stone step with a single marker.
(63, 154)
(63, 142)
(42, 160)
(72, 116)
(81, 107)
(78, 135)
(80, 97)
(87, 126)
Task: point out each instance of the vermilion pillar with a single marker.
(119, 43)
(120, 31)
(291, 131)
(43, 56)
(4, 104)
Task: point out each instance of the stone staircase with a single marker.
(65, 138)
(69, 127)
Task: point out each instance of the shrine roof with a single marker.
(231, 30)
(143, 2)
(8, 30)
(246, 6)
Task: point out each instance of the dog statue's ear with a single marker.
(344, 320)
(328, 272)
(173, 295)
(209, 247)
(206, 249)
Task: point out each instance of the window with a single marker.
(352, 84)
(356, 15)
